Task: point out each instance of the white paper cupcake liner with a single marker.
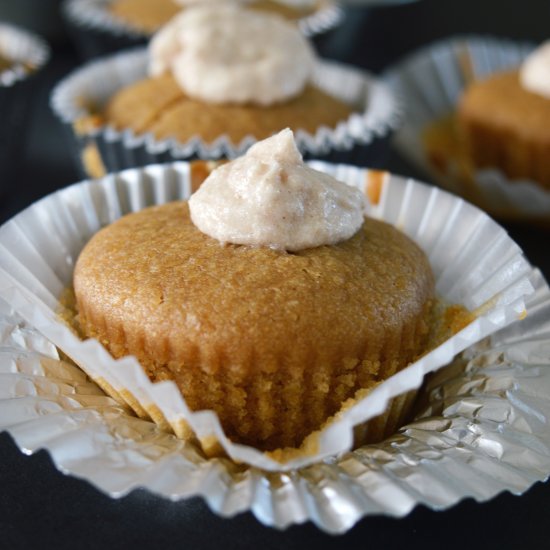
(96, 82)
(430, 83)
(474, 261)
(98, 32)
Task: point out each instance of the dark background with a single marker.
(41, 508)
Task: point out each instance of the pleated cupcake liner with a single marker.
(363, 137)
(29, 54)
(474, 261)
(430, 83)
(482, 429)
(97, 32)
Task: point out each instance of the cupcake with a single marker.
(472, 260)
(202, 91)
(504, 120)
(267, 298)
(104, 26)
(475, 125)
(22, 55)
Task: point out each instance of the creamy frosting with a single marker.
(269, 197)
(222, 53)
(534, 73)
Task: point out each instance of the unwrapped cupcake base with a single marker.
(430, 83)
(377, 116)
(474, 261)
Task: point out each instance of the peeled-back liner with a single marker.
(481, 429)
(430, 83)
(474, 261)
(91, 86)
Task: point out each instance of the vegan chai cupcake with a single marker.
(477, 119)
(272, 298)
(268, 298)
(201, 91)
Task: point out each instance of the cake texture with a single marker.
(274, 342)
(503, 125)
(158, 105)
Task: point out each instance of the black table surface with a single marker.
(42, 508)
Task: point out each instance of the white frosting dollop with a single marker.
(534, 73)
(222, 53)
(269, 197)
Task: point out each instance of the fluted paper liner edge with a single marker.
(482, 429)
(474, 261)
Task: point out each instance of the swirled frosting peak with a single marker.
(222, 53)
(534, 73)
(269, 197)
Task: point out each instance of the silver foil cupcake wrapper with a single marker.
(430, 83)
(474, 262)
(378, 115)
(483, 429)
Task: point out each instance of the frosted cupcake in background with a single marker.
(201, 90)
(102, 26)
(478, 120)
(504, 120)
(22, 56)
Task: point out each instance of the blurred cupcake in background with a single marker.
(504, 120)
(103, 26)
(22, 56)
(477, 119)
(202, 91)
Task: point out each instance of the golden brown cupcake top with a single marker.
(171, 283)
(159, 106)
